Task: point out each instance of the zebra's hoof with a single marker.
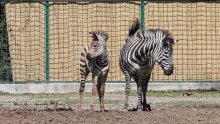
(104, 110)
(91, 108)
(78, 110)
(147, 108)
(139, 107)
(126, 106)
(133, 109)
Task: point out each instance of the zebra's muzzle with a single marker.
(89, 57)
(169, 71)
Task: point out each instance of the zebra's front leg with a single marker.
(101, 90)
(127, 90)
(146, 107)
(94, 80)
(139, 92)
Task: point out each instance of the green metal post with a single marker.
(47, 67)
(142, 14)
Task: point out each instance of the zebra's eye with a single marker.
(95, 44)
(166, 52)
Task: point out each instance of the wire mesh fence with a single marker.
(42, 40)
(197, 27)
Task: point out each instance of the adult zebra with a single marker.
(94, 59)
(143, 48)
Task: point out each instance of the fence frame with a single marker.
(141, 4)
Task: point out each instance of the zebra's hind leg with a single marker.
(94, 80)
(139, 92)
(84, 74)
(146, 107)
(127, 89)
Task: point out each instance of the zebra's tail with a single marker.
(134, 28)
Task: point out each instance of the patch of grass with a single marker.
(180, 104)
(66, 101)
(3, 93)
(109, 101)
(165, 93)
(159, 93)
(57, 95)
(47, 102)
(205, 93)
(192, 93)
(73, 101)
(50, 96)
(53, 102)
(87, 101)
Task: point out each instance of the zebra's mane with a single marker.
(164, 32)
(165, 35)
(134, 27)
(101, 34)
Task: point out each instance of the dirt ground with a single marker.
(167, 108)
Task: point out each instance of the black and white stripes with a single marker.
(143, 48)
(94, 59)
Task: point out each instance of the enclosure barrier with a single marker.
(41, 40)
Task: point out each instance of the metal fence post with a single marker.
(142, 14)
(47, 67)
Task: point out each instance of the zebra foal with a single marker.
(94, 59)
(143, 48)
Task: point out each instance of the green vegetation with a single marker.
(65, 101)
(195, 98)
(75, 101)
(4, 93)
(50, 96)
(191, 93)
(55, 95)
(5, 61)
(108, 101)
(72, 101)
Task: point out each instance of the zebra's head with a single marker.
(165, 54)
(98, 45)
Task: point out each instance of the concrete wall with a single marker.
(110, 87)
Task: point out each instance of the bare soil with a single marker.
(60, 108)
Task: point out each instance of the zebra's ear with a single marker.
(94, 36)
(105, 36)
(168, 40)
(172, 41)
